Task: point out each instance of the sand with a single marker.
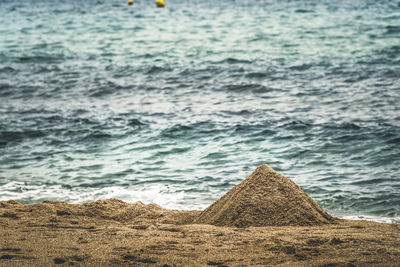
(265, 198)
(115, 233)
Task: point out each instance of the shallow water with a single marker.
(99, 99)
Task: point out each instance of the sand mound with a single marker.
(108, 209)
(265, 198)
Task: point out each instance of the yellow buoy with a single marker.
(160, 3)
(130, 2)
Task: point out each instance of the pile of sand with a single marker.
(265, 198)
(109, 209)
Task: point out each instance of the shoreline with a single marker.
(113, 232)
(266, 220)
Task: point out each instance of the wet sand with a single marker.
(112, 232)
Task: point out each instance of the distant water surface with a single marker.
(99, 99)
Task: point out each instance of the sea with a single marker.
(100, 99)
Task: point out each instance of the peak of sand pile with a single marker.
(265, 198)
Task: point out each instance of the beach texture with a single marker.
(265, 220)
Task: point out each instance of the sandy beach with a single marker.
(115, 233)
(103, 233)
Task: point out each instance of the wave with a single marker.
(162, 195)
(381, 219)
(392, 29)
(231, 60)
(192, 130)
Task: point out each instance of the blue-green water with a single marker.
(99, 99)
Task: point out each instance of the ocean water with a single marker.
(175, 106)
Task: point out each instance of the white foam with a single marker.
(372, 218)
(162, 195)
